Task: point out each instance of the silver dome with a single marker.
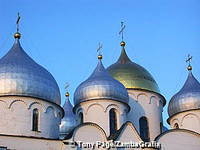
(68, 123)
(20, 75)
(100, 85)
(188, 98)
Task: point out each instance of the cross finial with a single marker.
(99, 50)
(188, 60)
(17, 35)
(121, 32)
(66, 88)
(17, 22)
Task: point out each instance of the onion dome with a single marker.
(100, 85)
(68, 123)
(132, 75)
(188, 98)
(20, 75)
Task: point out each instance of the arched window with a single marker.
(176, 126)
(35, 120)
(81, 117)
(113, 121)
(144, 129)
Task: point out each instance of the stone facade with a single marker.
(16, 117)
(146, 104)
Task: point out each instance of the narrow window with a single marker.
(35, 119)
(113, 121)
(161, 127)
(81, 117)
(176, 126)
(144, 129)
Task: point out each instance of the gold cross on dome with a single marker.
(17, 22)
(99, 48)
(66, 86)
(189, 59)
(121, 32)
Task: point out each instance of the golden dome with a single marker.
(132, 75)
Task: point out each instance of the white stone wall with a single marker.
(16, 117)
(146, 104)
(187, 120)
(23, 143)
(98, 112)
(179, 140)
(90, 133)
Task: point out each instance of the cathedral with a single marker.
(119, 107)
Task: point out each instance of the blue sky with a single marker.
(63, 36)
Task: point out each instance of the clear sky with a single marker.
(63, 35)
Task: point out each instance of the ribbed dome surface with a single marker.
(188, 98)
(20, 75)
(100, 85)
(132, 75)
(68, 122)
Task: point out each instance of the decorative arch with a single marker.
(31, 106)
(79, 110)
(94, 105)
(49, 109)
(152, 99)
(159, 103)
(143, 94)
(15, 101)
(176, 126)
(187, 119)
(110, 106)
(174, 121)
(190, 114)
(59, 115)
(132, 95)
